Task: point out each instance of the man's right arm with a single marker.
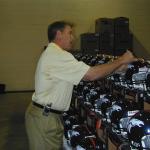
(101, 71)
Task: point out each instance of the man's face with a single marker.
(67, 38)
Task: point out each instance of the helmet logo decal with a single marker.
(116, 107)
(135, 122)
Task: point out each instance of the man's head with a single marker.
(60, 32)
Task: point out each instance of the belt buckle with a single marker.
(46, 109)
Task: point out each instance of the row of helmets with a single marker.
(125, 117)
(136, 76)
(79, 136)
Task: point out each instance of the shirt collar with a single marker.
(55, 45)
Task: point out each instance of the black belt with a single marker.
(51, 110)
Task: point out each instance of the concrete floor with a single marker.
(12, 127)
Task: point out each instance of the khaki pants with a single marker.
(44, 132)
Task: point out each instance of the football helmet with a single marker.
(139, 130)
(92, 96)
(103, 104)
(77, 134)
(119, 113)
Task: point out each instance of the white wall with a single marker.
(23, 30)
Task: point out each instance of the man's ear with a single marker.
(58, 35)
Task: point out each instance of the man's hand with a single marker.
(127, 57)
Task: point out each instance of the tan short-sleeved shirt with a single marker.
(57, 71)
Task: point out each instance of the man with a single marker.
(56, 74)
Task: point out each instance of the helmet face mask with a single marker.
(137, 75)
(148, 82)
(145, 141)
(78, 147)
(123, 127)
